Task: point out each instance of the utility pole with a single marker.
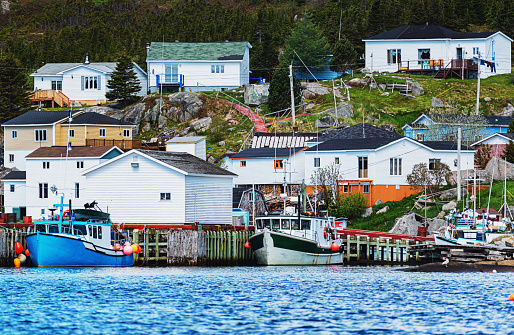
(478, 85)
(292, 94)
(459, 139)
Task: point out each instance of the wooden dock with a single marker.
(465, 253)
(8, 238)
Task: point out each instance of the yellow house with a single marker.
(36, 129)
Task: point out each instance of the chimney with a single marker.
(148, 47)
(87, 59)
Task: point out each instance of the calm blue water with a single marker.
(253, 300)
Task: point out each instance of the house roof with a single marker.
(83, 152)
(361, 130)
(425, 32)
(197, 51)
(186, 139)
(353, 144)
(491, 120)
(15, 175)
(54, 69)
(506, 136)
(281, 140)
(186, 162)
(96, 118)
(266, 152)
(443, 145)
(38, 117)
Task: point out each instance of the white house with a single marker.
(204, 66)
(51, 171)
(146, 186)
(79, 82)
(429, 48)
(194, 145)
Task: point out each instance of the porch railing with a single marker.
(51, 95)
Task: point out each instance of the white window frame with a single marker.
(395, 166)
(126, 133)
(394, 59)
(102, 131)
(43, 190)
(365, 188)
(14, 134)
(431, 163)
(317, 162)
(71, 132)
(165, 196)
(39, 134)
(11, 158)
(91, 83)
(80, 164)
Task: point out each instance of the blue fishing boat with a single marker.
(78, 237)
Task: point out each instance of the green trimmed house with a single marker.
(209, 66)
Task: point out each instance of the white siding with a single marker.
(19, 158)
(132, 195)
(72, 84)
(14, 199)
(208, 200)
(45, 82)
(201, 150)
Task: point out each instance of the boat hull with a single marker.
(275, 248)
(69, 250)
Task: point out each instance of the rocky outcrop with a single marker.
(312, 89)
(449, 206)
(184, 105)
(256, 94)
(437, 103)
(344, 109)
(357, 82)
(407, 224)
(100, 109)
(452, 193)
(388, 127)
(325, 122)
(202, 124)
(507, 111)
(4, 6)
(496, 168)
(383, 210)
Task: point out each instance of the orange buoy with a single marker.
(18, 248)
(138, 251)
(334, 246)
(117, 246)
(511, 297)
(17, 262)
(27, 253)
(134, 248)
(247, 245)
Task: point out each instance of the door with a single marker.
(167, 73)
(459, 53)
(174, 73)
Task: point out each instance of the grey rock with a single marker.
(132, 114)
(162, 121)
(417, 88)
(75, 104)
(344, 109)
(437, 103)
(452, 193)
(507, 111)
(184, 132)
(187, 105)
(371, 118)
(407, 95)
(435, 224)
(449, 206)
(256, 94)
(378, 202)
(202, 124)
(221, 143)
(211, 159)
(406, 224)
(388, 127)
(385, 94)
(4, 6)
(367, 212)
(282, 122)
(100, 109)
(487, 99)
(325, 122)
(315, 89)
(357, 82)
(495, 168)
(309, 106)
(147, 127)
(373, 86)
(441, 215)
(231, 129)
(383, 210)
(193, 133)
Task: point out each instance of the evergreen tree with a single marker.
(511, 127)
(14, 88)
(307, 43)
(508, 152)
(343, 55)
(280, 90)
(123, 84)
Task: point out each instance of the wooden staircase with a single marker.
(56, 97)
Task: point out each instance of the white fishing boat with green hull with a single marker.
(293, 240)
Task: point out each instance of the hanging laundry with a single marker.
(493, 67)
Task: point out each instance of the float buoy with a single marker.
(27, 253)
(325, 232)
(138, 251)
(22, 258)
(511, 297)
(127, 250)
(334, 246)
(17, 263)
(248, 245)
(18, 248)
(117, 246)
(134, 248)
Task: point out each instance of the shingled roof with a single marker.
(361, 130)
(187, 162)
(53, 69)
(83, 152)
(425, 32)
(208, 51)
(15, 175)
(96, 118)
(36, 117)
(353, 144)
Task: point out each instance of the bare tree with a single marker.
(433, 179)
(325, 179)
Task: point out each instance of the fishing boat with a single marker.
(295, 240)
(78, 237)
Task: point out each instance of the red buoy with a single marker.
(138, 249)
(27, 253)
(247, 245)
(511, 297)
(18, 248)
(334, 246)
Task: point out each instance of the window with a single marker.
(423, 55)
(242, 163)
(213, 69)
(279, 164)
(316, 162)
(394, 56)
(102, 132)
(80, 165)
(14, 134)
(11, 158)
(40, 135)
(71, 132)
(56, 85)
(46, 165)
(363, 167)
(100, 232)
(345, 188)
(365, 188)
(166, 196)
(91, 83)
(12, 188)
(77, 190)
(336, 160)
(420, 137)
(95, 231)
(432, 162)
(395, 166)
(43, 190)
(475, 51)
(222, 68)
(126, 132)
(217, 69)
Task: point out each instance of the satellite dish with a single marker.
(53, 189)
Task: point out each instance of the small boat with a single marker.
(295, 240)
(80, 237)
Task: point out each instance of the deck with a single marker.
(124, 145)
(55, 97)
(439, 68)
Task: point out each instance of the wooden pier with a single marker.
(464, 253)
